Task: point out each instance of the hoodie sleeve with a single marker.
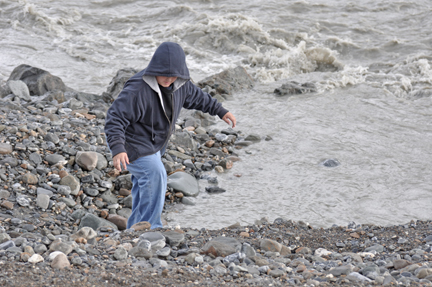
(120, 115)
(199, 100)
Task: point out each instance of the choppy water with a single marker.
(371, 61)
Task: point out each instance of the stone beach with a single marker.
(63, 207)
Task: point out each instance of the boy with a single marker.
(141, 120)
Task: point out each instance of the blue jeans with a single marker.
(149, 181)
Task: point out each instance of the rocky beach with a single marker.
(63, 207)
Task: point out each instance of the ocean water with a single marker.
(370, 61)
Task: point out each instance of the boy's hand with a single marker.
(119, 160)
(229, 118)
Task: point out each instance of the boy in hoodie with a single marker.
(141, 120)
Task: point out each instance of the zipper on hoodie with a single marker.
(170, 123)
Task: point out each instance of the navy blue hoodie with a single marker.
(136, 122)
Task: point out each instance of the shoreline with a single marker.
(63, 208)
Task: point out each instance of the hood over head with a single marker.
(169, 60)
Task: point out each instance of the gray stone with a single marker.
(124, 212)
(74, 104)
(222, 246)
(78, 214)
(248, 250)
(42, 200)
(87, 160)
(64, 247)
(184, 182)
(377, 247)
(7, 244)
(354, 276)
(330, 162)
(91, 191)
(60, 262)
(85, 232)
(69, 202)
(229, 81)
(294, 88)
(30, 178)
(187, 201)
(123, 181)
(37, 80)
(216, 152)
(340, 270)
(140, 252)
(164, 252)
(45, 191)
(54, 159)
(120, 253)
(64, 190)
(72, 182)
(277, 273)
(23, 200)
(13, 162)
(144, 243)
(5, 148)
(40, 248)
(52, 138)
(102, 162)
(109, 197)
(174, 238)
(90, 220)
(35, 158)
(117, 83)
(253, 138)
(128, 201)
(179, 155)
(156, 239)
(185, 140)
(19, 89)
(4, 194)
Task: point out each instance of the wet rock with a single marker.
(184, 182)
(214, 189)
(228, 81)
(294, 88)
(330, 162)
(253, 138)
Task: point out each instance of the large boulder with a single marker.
(229, 81)
(37, 80)
(117, 83)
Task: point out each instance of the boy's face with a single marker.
(165, 81)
